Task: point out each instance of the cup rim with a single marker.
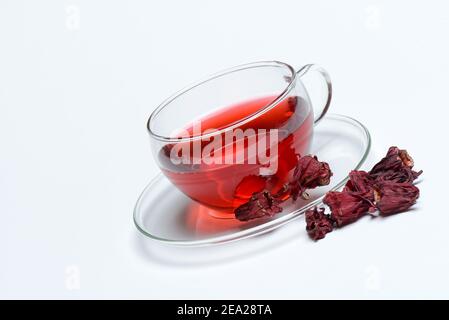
(234, 125)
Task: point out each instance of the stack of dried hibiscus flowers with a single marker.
(388, 188)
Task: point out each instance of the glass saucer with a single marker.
(165, 214)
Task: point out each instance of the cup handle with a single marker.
(307, 70)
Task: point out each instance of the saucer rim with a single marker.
(261, 228)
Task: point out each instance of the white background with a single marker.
(78, 80)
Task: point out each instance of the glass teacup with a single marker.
(238, 131)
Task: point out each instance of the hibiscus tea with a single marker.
(225, 184)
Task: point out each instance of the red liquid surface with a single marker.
(226, 186)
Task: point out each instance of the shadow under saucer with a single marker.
(193, 256)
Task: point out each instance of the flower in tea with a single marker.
(318, 223)
(261, 204)
(208, 158)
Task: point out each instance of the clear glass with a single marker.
(165, 214)
(258, 96)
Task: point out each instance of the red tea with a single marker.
(227, 185)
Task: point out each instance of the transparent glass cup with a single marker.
(238, 131)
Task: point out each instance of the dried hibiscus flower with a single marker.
(388, 188)
(309, 173)
(402, 175)
(392, 197)
(261, 204)
(397, 166)
(359, 181)
(347, 207)
(318, 223)
(394, 160)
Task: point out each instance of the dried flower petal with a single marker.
(312, 173)
(393, 197)
(396, 166)
(309, 173)
(392, 161)
(406, 158)
(347, 207)
(261, 204)
(359, 181)
(297, 190)
(401, 175)
(318, 223)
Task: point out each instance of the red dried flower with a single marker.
(401, 175)
(296, 190)
(359, 181)
(396, 166)
(347, 207)
(318, 224)
(309, 173)
(388, 187)
(261, 204)
(405, 157)
(392, 197)
(393, 161)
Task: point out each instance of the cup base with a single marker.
(217, 214)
